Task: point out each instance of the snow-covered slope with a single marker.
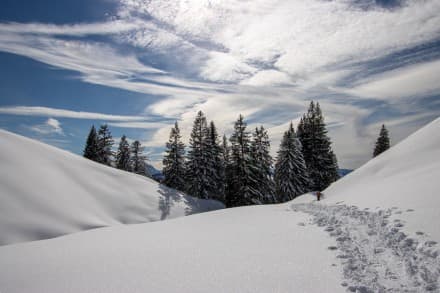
(47, 192)
(406, 177)
(358, 238)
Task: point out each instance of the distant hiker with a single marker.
(318, 195)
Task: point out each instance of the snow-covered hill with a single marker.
(406, 177)
(47, 192)
(368, 234)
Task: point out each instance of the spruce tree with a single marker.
(123, 155)
(382, 143)
(216, 174)
(226, 151)
(291, 176)
(174, 160)
(264, 187)
(137, 159)
(316, 146)
(197, 168)
(240, 191)
(91, 148)
(105, 144)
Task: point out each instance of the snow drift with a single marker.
(47, 192)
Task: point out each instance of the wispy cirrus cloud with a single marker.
(265, 59)
(62, 113)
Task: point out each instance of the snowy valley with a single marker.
(375, 230)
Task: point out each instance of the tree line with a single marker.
(99, 145)
(240, 170)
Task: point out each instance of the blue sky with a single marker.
(141, 65)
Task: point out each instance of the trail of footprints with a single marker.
(375, 255)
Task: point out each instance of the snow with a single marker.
(250, 249)
(46, 192)
(406, 178)
(373, 231)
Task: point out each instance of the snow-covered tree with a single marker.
(216, 175)
(105, 144)
(240, 191)
(264, 187)
(383, 142)
(91, 148)
(137, 159)
(123, 155)
(291, 176)
(197, 167)
(316, 147)
(174, 160)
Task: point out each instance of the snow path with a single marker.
(376, 256)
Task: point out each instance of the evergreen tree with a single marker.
(174, 160)
(383, 142)
(105, 143)
(264, 187)
(198, 169)
(91, 148)
(291, 176)
(216, 174)
(137, 159)
(240, 191)
(226, 151)
(123, 155)
(316, 146)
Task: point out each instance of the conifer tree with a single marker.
(91, 148)
(291, 176)
(383, 142)
(216, 165)
(197, 168)
(264, 187)
(174, 160)
(123, 155)
(137, 159)
(226, 151)
(316, 147)
(240, 192)
(105, 144)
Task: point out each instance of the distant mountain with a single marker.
(155, 173)
(343, 172)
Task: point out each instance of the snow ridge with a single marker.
(376, 256)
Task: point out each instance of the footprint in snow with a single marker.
(410, 210)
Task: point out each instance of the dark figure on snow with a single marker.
(318, 195)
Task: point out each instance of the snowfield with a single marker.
(47, 192)
(376, 230)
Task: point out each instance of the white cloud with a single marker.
(252, 57)
(81, 29)
(267, 78)
(51, 126)
(296, 37)
(409, 81)
(139, 125)
(45, 111)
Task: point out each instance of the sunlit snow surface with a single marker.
(47, 192)
(375, 230)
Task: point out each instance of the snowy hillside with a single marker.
(405, 178)
(46, 192)
(374, 231)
